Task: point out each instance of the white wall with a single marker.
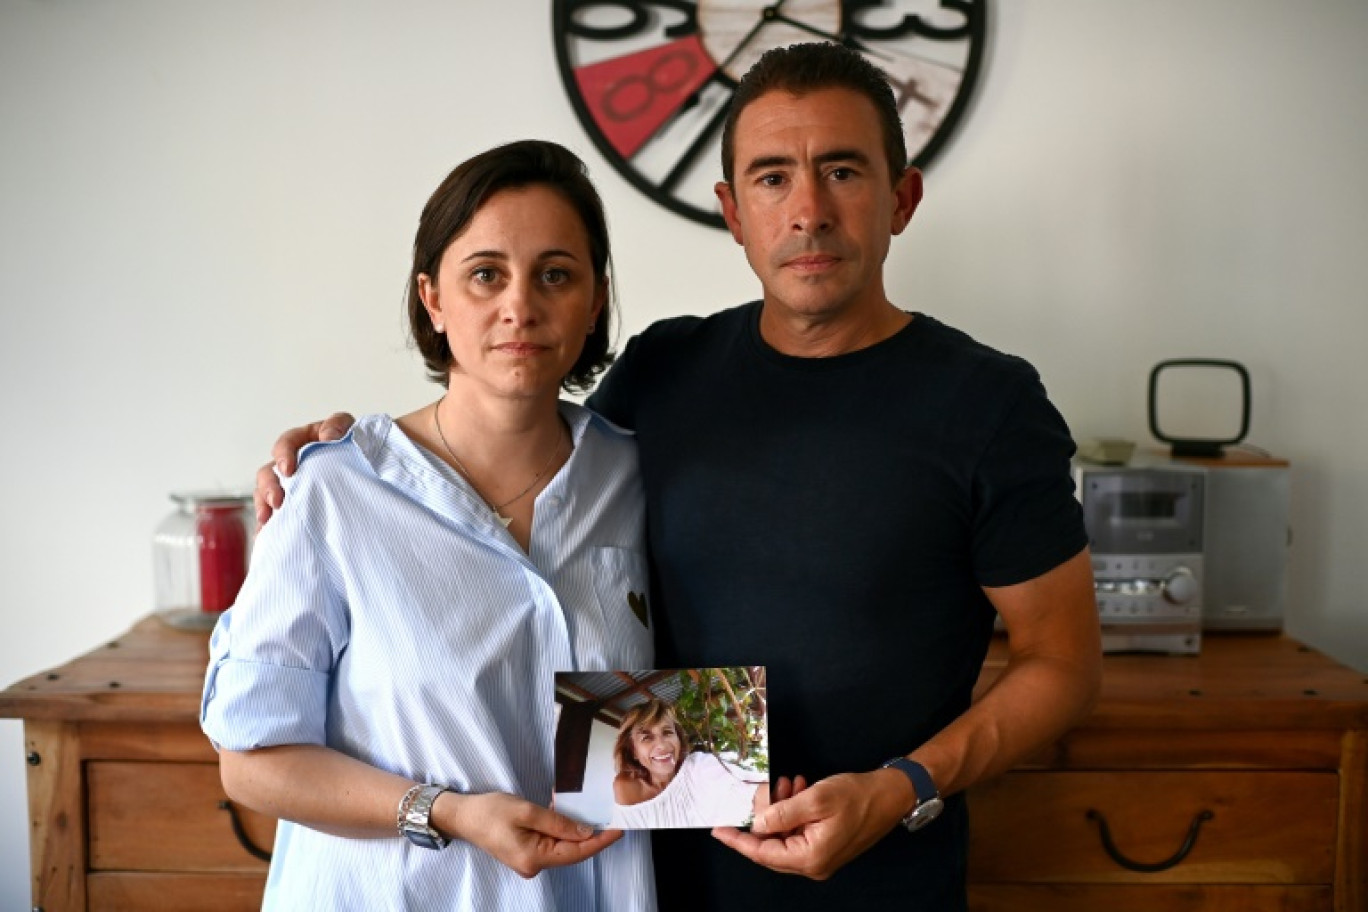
(594, 802)
(205, 210)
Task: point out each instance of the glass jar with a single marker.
(200, 555)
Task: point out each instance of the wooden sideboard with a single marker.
(1257, 750)
(1259, 744)
(125, 806)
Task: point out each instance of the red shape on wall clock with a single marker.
(632, 96)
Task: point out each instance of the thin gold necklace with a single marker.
(493, 508)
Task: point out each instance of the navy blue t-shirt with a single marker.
(835, 519)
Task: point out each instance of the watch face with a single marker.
(651, 79)
(424, 839)
(923, 814)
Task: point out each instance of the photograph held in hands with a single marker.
(662, 749)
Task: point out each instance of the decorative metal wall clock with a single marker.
(651, 79)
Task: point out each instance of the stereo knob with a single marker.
(1180, 587)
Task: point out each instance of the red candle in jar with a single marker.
(222, 554)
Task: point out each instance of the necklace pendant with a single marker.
(506, 520)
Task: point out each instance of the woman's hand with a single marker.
(268, 495)
(331, 792)
(524, 836)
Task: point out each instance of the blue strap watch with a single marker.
(929, 804)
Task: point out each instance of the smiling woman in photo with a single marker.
(661, 783)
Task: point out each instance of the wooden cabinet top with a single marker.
(152, 673)
(1240, 681)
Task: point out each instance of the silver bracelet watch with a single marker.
(415, 816)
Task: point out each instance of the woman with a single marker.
(661, 783)
(384, 681)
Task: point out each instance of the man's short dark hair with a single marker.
(800, 69)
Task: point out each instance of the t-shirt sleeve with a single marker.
(615, 397)
(272, 654)
(1027, 519)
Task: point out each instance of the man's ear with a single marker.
(907, 193)
(727, 198)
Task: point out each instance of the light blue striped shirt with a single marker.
(388, 615)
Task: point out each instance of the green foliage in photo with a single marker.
(723, 711)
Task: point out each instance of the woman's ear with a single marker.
(600, 302)
(427, 293)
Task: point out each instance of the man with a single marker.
(847, 493)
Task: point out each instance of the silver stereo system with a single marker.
(1248, 542)
(1146, 525)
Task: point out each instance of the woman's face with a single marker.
(516, 293)
(658, 749)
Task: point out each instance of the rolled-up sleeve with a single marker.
(272, 655)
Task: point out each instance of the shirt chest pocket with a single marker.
(622, 585)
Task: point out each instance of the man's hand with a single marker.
(268, 495)
(784, 789)
(524, 836)
(820, 828)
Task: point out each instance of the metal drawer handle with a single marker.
(241, 834)
(1141, 866)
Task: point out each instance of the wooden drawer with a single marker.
(1265, 827)
(1166, 898)
(150, 892)
(146, 816)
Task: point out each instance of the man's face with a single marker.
(813, 202)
